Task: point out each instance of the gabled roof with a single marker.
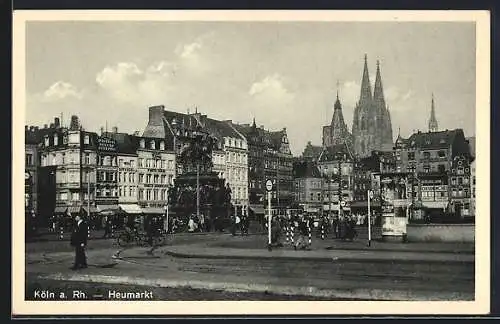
(434, 140)
(312, 151)
(335, 152)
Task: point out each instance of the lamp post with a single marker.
(370, 196)
(166, 216)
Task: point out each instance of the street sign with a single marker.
(371, 194)
(269, 185)
(342, 203)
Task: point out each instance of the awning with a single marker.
(257, 209)
(102, 208)
(93, 209)
(435, 204)
(153, 210)
(364, 204)
(60, 209)
(74, 209)
(131, 208)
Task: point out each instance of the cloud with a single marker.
(61, 90)
(271, 88)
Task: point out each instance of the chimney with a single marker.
(155, 127)
(26, 128)
(45, 126)
(51, 125)
(102, 130)
(36, 128)
(75, 123)
(57, 123)
(156, 115)
(115, 129)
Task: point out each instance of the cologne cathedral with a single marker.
(371, 128)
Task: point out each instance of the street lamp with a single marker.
(166, 215)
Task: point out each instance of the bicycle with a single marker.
(128, 237)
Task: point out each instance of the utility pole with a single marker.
(278, 183)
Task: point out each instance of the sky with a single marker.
(283, 74)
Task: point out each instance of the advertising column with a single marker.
(393, 205)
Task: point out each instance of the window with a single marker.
(120, 192)
(427, 155)
(162, 145)
(63, 196)
(460, 181)
(56, 140)
(46, 141)
(163, 178)
(141, 194)
(119, 177)
(29, 159)
(120, 162)
(132, 163)
(158, 164)
(411, 155)
(86, 139)
(130, 191)
(141, 163)
(142, 143)
(75, 196)
(148, 178)
(153, 145)
(63, 158)
(170, 164)
(460, 171)
(148, 194)
(170, 179)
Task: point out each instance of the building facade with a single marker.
(156, 172)
(372, 127)
(107, 174)
(308, 186)
(439, 163)
(336, 164)
(269, 158)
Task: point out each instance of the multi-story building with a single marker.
(269, 158)
(229, 156)
(31, 164)
(308, 186)
(107, 174)
(472, 145)
(69, 153)
(431, 155)
(336, 164)
(156, 172)
(128, 178)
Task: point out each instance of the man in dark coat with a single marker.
(79, 241)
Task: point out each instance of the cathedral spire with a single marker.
(433, 124)
(378, 91)
(366, 88)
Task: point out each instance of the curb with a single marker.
(300, 258)
(359, 294)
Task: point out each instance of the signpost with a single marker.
(370, 197)
(269, 188)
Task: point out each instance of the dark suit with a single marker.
(79, 237)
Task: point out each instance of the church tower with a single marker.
(337, 132)
(433, 124)
(372, 128)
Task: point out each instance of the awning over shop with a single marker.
(364, 204)
(435, 204)
(153, 210)
(74, 209)
(256, 209)
(93, 209)
(131, 208)
(102, 208)
(60, 209)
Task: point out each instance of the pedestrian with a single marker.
(79, 242)
(303, 238)
(107, 227)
